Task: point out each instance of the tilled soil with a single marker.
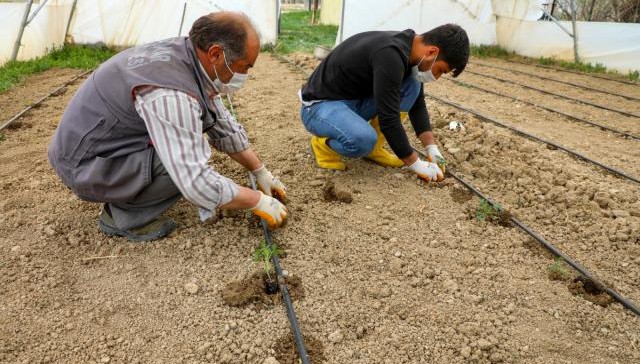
(584, 80)
(401, 274)
(588, 112)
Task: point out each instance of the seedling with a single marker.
(487, 211)
(442, 163)
(558, 271)
(263, 254)
(1, 136)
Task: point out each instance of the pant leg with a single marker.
(150, 203)
(348, 134)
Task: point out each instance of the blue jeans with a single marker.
(346, 122)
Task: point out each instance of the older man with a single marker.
(132, 136)
(377, 75)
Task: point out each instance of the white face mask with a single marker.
(424, 76)
(235, 83)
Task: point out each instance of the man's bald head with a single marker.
(232, 30)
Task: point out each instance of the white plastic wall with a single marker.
(121, 23)
(44, 32)
(614, 45)
(133, 22)
(476, 16)
(510, 24)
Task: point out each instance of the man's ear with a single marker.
(433, 50)
(215, 53)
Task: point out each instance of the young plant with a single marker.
(558, 271)
(442, 163)
(486, 211)
(263, 254)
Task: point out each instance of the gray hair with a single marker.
(227, 29)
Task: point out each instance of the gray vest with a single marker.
(101, 148)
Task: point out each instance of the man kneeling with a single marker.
(131, 137)
(377, 75)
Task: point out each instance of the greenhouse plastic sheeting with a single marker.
(121, 23)
(614, 45)
(44, 32)
(510, 24)
(476, 16)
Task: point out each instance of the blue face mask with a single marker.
(424, 76)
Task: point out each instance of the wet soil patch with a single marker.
(590, 291)
(333, 192)
(251, 290)
(460, 195)
(286, 352)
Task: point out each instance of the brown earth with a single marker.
(399, 275)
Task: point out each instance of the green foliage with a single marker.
(263, 254)
(490, 51)
(634, 76)
(69, 56)
(297, 34)
(1, 136)
(558, 270)
(486, 211)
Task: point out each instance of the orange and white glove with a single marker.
(271, 210)
(269, 184)
(434, 155)
(427, 171)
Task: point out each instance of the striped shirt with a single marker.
(173, 120)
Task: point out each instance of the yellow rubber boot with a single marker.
(325, 156)
(379, 155)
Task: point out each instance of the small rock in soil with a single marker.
(191, 288)
(484, 344)
(271, 360)
(336, 336)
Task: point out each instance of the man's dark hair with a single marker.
(221, 29)
(453, 43)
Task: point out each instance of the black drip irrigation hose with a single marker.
(39, 101)
(559, 81)
(572, 117)
(594, 75)
(551, 247)
(536, 138)
(555, 94)
(286, 297)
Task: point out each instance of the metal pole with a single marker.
(344, 5)
(575, 33)
(42, 4)
(184, 10)
(16, 47)
(73, 10)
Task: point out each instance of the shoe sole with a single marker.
(164, 230)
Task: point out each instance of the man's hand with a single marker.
(434, 155)
(271, 210)
(269, 184)
(427, 171)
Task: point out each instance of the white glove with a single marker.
(271, 210)
(434, 155)
(269, 184)
(427, 171)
